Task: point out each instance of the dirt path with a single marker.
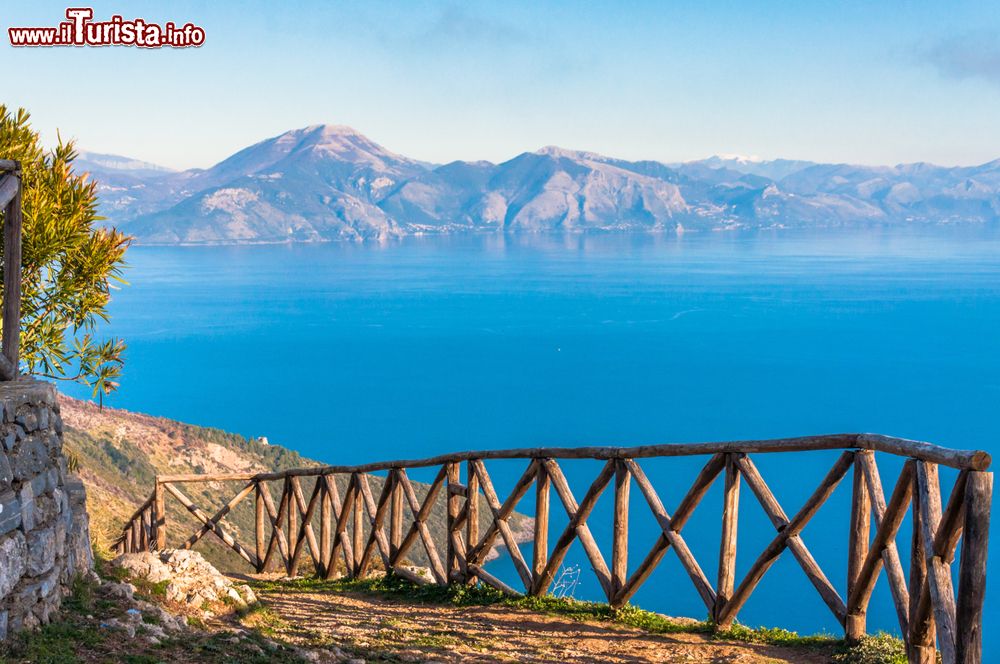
(391, 630)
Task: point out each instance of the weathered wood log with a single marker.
(10, 203)
(325, 527)
(341, 542)
(727, 548)
(890, 554)
(471, 521)
(9, 165)
(670, 536)
(138, 512)
(159, 518)
(145, 527)
(938, 574)
(217, 529)
(358, 522)
(540, 552)
(619, 535)
(453, 473)
(484, 546)
(920, 643)
(699, 488)
(9, 185)
(794, 543)
(292, 518)
(260, 527)
(396, 515)
(376, 514)
(577, 526)
(889, 519)
(500, 520)
(780, 542)
(961, 459)
(420, 521)
(491, 580)
(942, 550)
(411, 576)
(858, 545)
(417, 510)
(967, 459)
(952, 520)
(305, 533)
(972, 569)
(461, 574)
(463, 516)
(136, 541)
(277, 540)
(218, 516)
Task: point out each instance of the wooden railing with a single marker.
(10, 204)
(352, 524)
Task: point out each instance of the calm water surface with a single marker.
(353, 353)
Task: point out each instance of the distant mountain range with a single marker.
(328, 182)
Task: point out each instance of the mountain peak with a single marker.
(319, 133)
(337, 142)
(331, 130)
(558, 152)
(737, 158)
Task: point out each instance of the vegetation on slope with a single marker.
(119, 453)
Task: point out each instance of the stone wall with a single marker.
(44, 534)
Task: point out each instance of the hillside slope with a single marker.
(119, 453)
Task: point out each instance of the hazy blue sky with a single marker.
(834, 81)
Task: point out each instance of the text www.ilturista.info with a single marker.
(81, 30)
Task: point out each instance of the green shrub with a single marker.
(881, 648)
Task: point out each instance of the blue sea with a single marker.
(362, 352)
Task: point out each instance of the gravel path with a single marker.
(392, 630)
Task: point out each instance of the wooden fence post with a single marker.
(136, 536)
(619, 546)
(159, 517)
(972, 568)
(12, 280)
(471, 518)
(358, 541)
(453, 475)
(325, 521)
(260, 527)
(292, 519)
(921, 637)
(727, 547)
(858, 544)
(395, 517)
(540, 553)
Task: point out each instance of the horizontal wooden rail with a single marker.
(962, 459)
(345, 520)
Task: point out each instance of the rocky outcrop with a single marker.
(190, 579)
(44, 531)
